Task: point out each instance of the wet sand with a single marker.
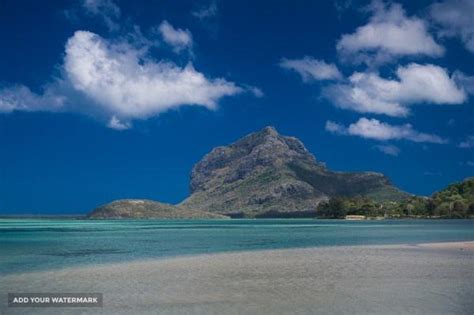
(392, 279)
(449, 245)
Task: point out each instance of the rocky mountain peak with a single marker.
(270, 131)
(269, 137)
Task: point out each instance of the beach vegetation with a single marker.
(455, 201)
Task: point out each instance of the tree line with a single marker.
(455, 201)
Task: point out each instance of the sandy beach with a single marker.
(433, 278)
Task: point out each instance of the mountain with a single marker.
(140, 209)
(266, 174)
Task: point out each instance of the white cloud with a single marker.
(21, 98)
(121, 81)
(312, 69)
(456, 17)
(367, 92)
(206, 12)
(334, 127)
(118, 82)
(377, 130)
(388, 34)
(116, 124)
(468, 143)
(388, 149)
(107, 10)
(360, 98)
(177, 38)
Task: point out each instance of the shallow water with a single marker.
(31, 245)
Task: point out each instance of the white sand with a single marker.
(398, 279)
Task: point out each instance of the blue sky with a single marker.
(109, 99)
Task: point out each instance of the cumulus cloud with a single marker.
(377, 130)
(389, 34)
(368, 92)
(206, 12)
(468, 143)
(126, 83)
(312, 69)
(106, 10)
(456, 18)
(388, 149)
(119, 82)
(177, 38)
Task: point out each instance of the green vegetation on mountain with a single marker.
(455, 201)
(266, 174)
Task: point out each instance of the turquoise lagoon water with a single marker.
(30, 245)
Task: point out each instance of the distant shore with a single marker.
(85, 217)
(433, 278)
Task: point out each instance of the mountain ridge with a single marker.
(266, 174)
(144, 209)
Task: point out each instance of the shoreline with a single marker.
(431, 278)
(84, 217)
(463, 245)
(448, 245)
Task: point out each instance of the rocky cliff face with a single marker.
(267, 174)
(141, 209)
